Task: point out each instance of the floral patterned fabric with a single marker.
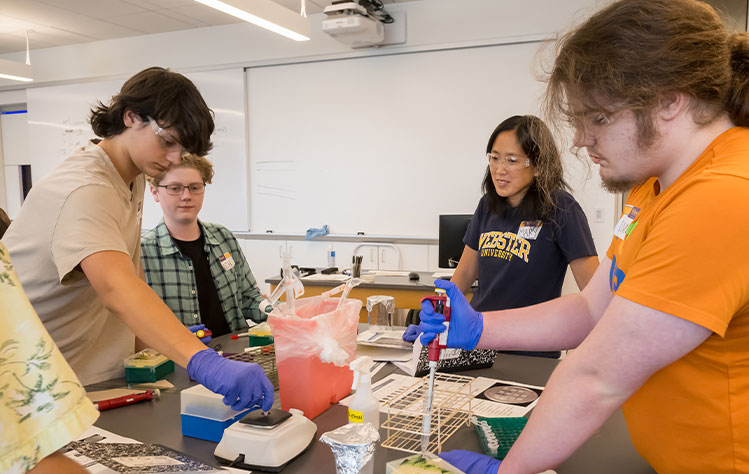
(42, 404)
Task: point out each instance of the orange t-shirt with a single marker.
(685, 252)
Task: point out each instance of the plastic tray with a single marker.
(497, 435)
(148, 373)
(201, 402)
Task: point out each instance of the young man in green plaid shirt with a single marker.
(197, 267)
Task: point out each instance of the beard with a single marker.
(614, 185)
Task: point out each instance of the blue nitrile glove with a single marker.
(411, 333)
(198, 327)
(466, 324)
(243, 384)
(470, 462)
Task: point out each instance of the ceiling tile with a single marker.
(207, 14)
(296, 6)
(160, 4)
(11, 25)
(177, 14)
(96, 8)
(102, 29)
(12, 43)
(57, 36)
(149, 22)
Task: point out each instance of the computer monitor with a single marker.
(452, 229)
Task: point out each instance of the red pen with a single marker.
(126, 400)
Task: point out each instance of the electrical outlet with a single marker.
(598, 215)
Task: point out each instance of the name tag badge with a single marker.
(227, 261)
(629, 214)
(529, 230)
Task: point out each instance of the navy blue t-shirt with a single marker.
(521, 261)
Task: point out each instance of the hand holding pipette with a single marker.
(201, 332)
(467, 324)
(440, 304)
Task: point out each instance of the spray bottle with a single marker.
(363, 407)
(331, 256)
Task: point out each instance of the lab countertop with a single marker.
(425, 282)
(609, 450)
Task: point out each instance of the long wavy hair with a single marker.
(538, 144)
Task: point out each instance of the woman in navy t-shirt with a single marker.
(527, 228)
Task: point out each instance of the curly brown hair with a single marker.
(200, 163)
(632, 53)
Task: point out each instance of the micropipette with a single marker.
(441, 305)
(127, 400)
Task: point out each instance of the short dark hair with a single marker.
(633, 52)
(165, 96)
(538, 144)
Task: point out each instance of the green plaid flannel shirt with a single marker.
(171, 276)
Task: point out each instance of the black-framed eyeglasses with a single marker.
(178, 189)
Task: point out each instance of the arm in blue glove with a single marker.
(466, 324)
(198, 327)
(470, 462)
(411, 333)
(243, 385)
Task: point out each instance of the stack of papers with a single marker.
(384, 344)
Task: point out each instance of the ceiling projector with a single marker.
(350, 23)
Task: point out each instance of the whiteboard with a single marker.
(58, 126)
(380, 145)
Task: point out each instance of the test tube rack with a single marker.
(264, 356)
(451, 409)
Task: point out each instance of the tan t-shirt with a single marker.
(82, 207)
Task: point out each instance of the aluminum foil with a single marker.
(353, 446)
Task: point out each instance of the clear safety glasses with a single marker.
(510, 162)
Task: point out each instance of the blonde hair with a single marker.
(199, 163)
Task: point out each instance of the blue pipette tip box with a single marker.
(207, 428)
(204, 415)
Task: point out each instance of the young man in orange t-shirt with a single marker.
(658, 95)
